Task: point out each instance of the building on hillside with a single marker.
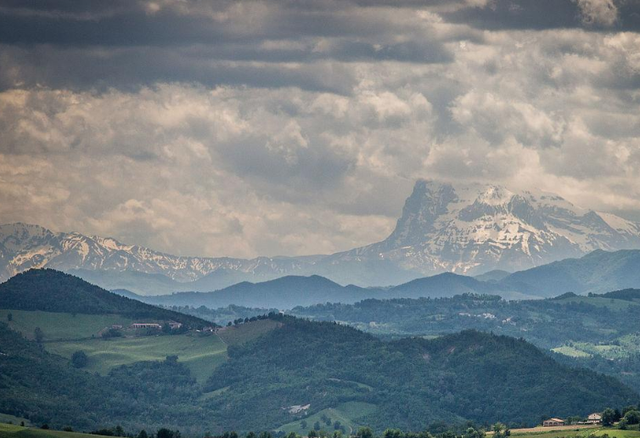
(175, 325)
(594, 418)
(141, 325)
(553, 422)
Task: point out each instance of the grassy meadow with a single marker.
(66, 333)
(13, 431)
(346, 413)
(58, 326)
(201, 353)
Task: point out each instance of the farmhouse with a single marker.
(553, 422)
(594, 418)
(139, 325)
(175, 325)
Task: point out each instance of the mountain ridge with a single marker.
(463, 228)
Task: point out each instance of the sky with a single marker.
(292, 127)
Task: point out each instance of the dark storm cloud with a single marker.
(299, 126)
(549, 14)
(85, 44)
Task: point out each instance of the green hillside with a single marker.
(602, 328)
(52, 291)
(255, 375)
(57, 326)
(346, 417)
(14, 431)
(201, 354)
(412, 382)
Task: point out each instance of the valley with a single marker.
(265, 372)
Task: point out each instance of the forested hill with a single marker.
(53, 291)
(411, 382)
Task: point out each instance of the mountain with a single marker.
(462, 228)
(52, 291)
(291, 291)
(444, 285)
(495, 275)
(283, 293)
(468, 375)
(597, 272)
(23, 247)
(475, 228)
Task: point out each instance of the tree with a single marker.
(79, 359)
(632, 417)
(303, 424)
(364, 432)
(312, 434)
(316, 425)
(143, 434)
(499, 431)
(608, 417)
(167, 433)
(38, 335)
(337, 425)
(9, 316)
(166, 328)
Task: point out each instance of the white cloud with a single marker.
(302, 154)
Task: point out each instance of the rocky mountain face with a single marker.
(470, 229)
(25, 246)
(461, 228)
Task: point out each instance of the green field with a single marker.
(12, 419)
(568, 433)
(246, 332)
(13, 431)
(346, 413)
(570, 351)
(200, 353)
(65, 333)
(56, 326)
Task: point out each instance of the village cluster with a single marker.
(595, 418)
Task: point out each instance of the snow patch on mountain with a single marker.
(444, 227)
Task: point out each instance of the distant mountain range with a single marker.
(597, 272)
(465, 229)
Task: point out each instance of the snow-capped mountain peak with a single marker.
(468, 228)
(444, 227)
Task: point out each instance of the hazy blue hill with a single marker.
(495, 275)
(143, 283)
(53, 291)
(442, 285)
(283, 293)
(597, 272)
(624, 294)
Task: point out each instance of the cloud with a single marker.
(248, 128)
(602, 12)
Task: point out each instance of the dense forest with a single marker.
(410, 383)
(413, 382)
